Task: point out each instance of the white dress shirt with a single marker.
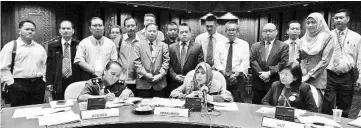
(204, 40)
(240, 56)
(181, 46)
(297, 48)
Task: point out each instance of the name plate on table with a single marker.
(166, 111)
(276, 123)
(99, 113)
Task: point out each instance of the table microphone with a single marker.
(204, 90)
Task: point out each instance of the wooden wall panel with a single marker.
(110, 20)
(263, 19)
(124, 14)
(248, 28)
(287, 16)
(8, 24)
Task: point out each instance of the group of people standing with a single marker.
(312, 72)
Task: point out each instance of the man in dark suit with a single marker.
(172, 33)
(184, 56)
(266, 57)
(60, 71)
(151, 64)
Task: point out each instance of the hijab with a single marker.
(209, 75)
(312, 43)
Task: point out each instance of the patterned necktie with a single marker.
(151, 46)
(338, 49)
(267, 49)
(209, 58)
(292, 51)
(183, 53)
(229, 58)
(66, 61)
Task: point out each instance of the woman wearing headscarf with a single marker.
(316, 50)
(203, 80)
(290, 91)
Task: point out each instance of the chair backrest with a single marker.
(216, 75)
(74, 89)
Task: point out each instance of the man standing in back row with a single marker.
(210, 39)
(293, 41)
(149, 18)
(345, 60)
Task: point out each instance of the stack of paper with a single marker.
(356, 122)
(28, 112)
(59, 118)
(164, 102)
(272, 110)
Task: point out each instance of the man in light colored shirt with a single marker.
(293, 41)
(95, 51)
(127, 54)
(116, 36)
(25, 77)
(149, 18)
(60, 71)
(151, 63)
(345, 60)
(266, 58)
(210, 39)
(232, 60)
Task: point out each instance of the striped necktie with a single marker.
(66, 61)
(209, 58)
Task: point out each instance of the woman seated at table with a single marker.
(203, 80)
(290, 91)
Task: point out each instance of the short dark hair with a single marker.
(150, 15)
(116, 26)
(295, 69)
(151, 24)
(186, 25)
(90, 21)
(128, 18)
(21, 24)
(72, 26)
(293, 21)
(211, 18)
(110, 63)
(348, 13)
(171, 23)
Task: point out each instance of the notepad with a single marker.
(59, 118)
(356, 122)
(27, 112)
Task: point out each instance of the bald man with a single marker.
(266, 57)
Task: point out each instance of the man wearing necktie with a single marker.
(95, 51)
(293, 41)
(232, 60)
(266, 57)
(149, 18)
(210, 40)
(60, 70)
(151, 64)
(184, 57)
(344, 65)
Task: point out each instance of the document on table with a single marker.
(164, 102)
(59, 118)
(356, 122)
(227, 106)
(55, 104)
(27, 112)
(311, 120)
(272, 110)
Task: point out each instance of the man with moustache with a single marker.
(293, 41)
(232, 60)
(210, 39)
(95, 51)
(24, 69)
(266, 58)
(127, 54)
(184, 57)
(152, 64)
(60, 70)
(149, 18)
(172, 33)
(345, 62)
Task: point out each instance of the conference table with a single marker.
(246, 117)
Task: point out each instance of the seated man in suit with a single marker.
(184, 56)
(60, 71)
(266, 57)
(107, 86)
(151, 64)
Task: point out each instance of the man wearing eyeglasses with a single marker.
(345, 60)
(266, 57)
(95, 51)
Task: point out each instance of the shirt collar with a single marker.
(94, 41)
(187, 43)
(234, 42)
(337, 31)
(154, 42)
(213, 35)
(297, 40)
(63, 41)
(126, 37)
(271, 42)
(21, 42)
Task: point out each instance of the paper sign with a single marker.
(275, 123)
(100, 113)
(166, 111)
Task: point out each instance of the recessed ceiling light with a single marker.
(135, 6)
(249, 11)
(305, 4)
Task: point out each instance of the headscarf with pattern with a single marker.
(209, 75)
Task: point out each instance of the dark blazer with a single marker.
(304, 100)
(278, 56)
(146, 63)
(194, 55)
(54, 64)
